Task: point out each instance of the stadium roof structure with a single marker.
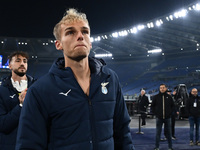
(173, 34)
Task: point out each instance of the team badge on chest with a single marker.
(104, 90)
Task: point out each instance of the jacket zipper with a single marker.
(163, 107)
(91, 123)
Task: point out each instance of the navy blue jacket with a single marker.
(58, 115)
(9, 113)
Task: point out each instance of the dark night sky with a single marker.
(36, 19)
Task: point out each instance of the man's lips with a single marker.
(21, 68)
(80, 45)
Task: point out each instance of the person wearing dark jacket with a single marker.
(12, 92)
(143, 104)
(162, 106)
(79, 104)
(175, 112)
(193, 108)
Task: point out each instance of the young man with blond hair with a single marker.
(78, 105)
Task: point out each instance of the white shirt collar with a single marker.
(20, 86)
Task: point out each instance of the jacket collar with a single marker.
(58, 67)
(7, 81)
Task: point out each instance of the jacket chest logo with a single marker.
(104, 90)
(65, 94)
(12, 96)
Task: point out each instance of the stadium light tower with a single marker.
(155, 51)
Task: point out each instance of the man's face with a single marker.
(163, 88)
(194, 92)
(174, 92)
(75, 40)
(142, 92)
(18, 65)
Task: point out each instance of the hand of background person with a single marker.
(22, 96)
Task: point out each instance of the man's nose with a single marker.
(22, 63)
(80, 36)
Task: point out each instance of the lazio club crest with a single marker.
(104, 90)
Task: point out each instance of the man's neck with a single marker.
(81, 72)
(80, 69)
(15, 77)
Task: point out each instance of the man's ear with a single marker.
(58, 45)
(10, 66)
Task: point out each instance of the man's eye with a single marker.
(69, 32)
(85, 32)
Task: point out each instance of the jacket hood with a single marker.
(58, 67)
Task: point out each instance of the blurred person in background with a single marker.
(175, 113)
(193, 108)
(162, 106)
(12, 93)
(143, 104)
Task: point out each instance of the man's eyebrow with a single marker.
(85, 28)
(70, 28)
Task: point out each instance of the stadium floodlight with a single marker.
(2, 42)
(171, 17)
(197, 6)
(134, 30)
(181, 13)
(123, 33)
(115, 35)
(91, 39)
(97, 38)
(158, 23)
(104, 37)
(150, 25)
(103, 55)
(155, 51)
(197, 44)
(140, 27)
